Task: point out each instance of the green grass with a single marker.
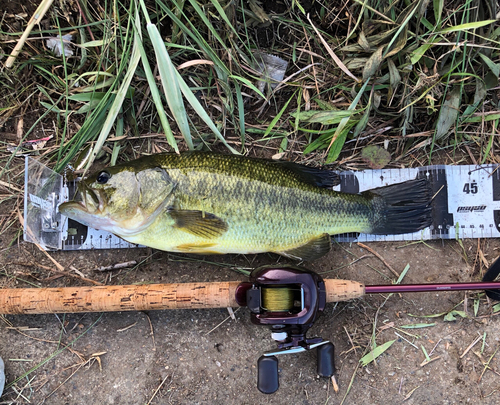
(417, 77)
(413, 67)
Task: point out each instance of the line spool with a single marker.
(278, 299)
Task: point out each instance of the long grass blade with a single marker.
(155, 94)
(402, 27)
(466, 26)
(169, 81)
(333, 156)
(116, 106)
(192, 32)
(339, 63)
(190, 97)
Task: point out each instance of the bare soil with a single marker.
(203, 356)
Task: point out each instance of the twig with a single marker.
(434, 348)
(126, 327)
(211, 330)
(231, 313)
(334, 384)
(18, 330)
(20, 393)
(406, 340)
(65, 273)
(379, 257)
(471, 346)
(152, 331)
(486, 364)
(55, 354)
(471, 155)
(85, 20)
(350, 340)
(35, 19)
(10, 186)
(117, 266)
(410, 393)
(158, 389)
(67, 379)
(425, 362)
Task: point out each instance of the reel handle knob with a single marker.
(326, 360)
(267, 374)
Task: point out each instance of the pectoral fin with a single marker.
(199, 223)
(313, 249)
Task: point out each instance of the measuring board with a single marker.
(466, 204)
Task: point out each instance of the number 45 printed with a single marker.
(470, 188)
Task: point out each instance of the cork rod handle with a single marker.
(118, 298)
(343, 290)
(141, 297)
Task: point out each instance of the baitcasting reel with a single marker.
(288, 300)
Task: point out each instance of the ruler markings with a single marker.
(467, 204)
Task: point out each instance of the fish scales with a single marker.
(216, 203)
(264, 204)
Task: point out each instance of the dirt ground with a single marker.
(203, 356)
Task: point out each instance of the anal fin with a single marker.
(197, 248)
(313, 249)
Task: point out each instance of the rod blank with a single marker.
(405, 288)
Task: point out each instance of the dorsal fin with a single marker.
(312, 175)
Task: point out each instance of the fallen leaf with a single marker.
(449, 113)
(375, 156)
(367, 359)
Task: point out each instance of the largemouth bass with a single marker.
(210, 203)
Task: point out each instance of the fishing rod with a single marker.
(287, 299)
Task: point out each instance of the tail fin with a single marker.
(402, 208)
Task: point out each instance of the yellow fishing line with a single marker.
(277, 299)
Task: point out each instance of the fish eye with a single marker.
(103, 177)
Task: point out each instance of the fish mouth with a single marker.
(70, 207)
(89, 200)
(85, 200)
(87, 208)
